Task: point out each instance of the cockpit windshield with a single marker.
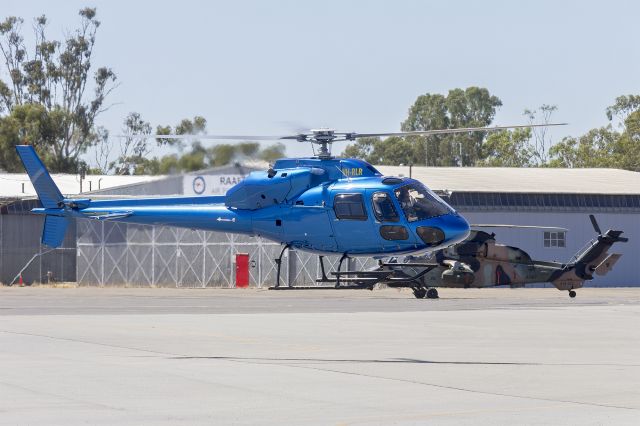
(419, 203)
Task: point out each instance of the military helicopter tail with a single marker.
(593, 258)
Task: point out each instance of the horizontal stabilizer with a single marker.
(54, 229)
(109, 215)
(48, 192)
(607, 264)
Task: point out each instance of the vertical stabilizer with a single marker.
(48, 192)
(54, 230)
(50, 196)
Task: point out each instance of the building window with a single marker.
(349, 206)
(555, 239)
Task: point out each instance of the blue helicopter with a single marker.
(320, 204)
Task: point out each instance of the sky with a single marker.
(273, 67)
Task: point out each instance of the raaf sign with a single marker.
(209, 184)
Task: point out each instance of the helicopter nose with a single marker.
(443, 230)
(457, 229)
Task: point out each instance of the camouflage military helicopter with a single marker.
(479, 261)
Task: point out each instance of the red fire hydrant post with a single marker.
(242, 270)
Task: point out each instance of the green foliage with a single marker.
(541, 139)
(508, 149)
(221, 154)
(272, 152)
(597, 148)
(623, 106)
(135, 149)
(54, 75)
(199, 158)
(471, 107)
(249, 149)
(186, 127)
(363, 148)
(29, 122)
(390, 151)
(475, 107)
(604, 146)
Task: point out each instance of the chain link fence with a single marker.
(116, 254)
(21, 253)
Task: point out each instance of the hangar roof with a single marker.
(11, 183)
(461, 179)
(511, 179)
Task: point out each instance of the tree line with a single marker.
(134, 156)
(615, 144)
(51, 96)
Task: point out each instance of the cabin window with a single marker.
(383, 207)
(555, 239)
(349, 206)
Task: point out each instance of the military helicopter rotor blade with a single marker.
(594, 222)
(502, 225)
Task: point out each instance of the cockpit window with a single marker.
(383, 207)
(419, 203)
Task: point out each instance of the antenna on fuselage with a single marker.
(343, 173)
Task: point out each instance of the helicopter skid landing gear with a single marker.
(279, 264)
(344, 256)
(572, 294)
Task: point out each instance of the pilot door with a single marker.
(390, 229)
(352, 223)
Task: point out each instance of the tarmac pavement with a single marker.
(176, 356)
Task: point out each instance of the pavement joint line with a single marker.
(417, 382)
(86, 342)
(397, 361)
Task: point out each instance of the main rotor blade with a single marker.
(449, 131)
(338, 136)
(220, 137)
(488, 225)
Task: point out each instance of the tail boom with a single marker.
(595, 259)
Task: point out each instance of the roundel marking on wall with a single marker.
(199, 185)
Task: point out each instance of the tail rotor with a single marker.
(594, 222)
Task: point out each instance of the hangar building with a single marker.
(104, 253)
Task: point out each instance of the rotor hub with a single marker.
(323, 137)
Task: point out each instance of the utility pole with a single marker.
(83, 172)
